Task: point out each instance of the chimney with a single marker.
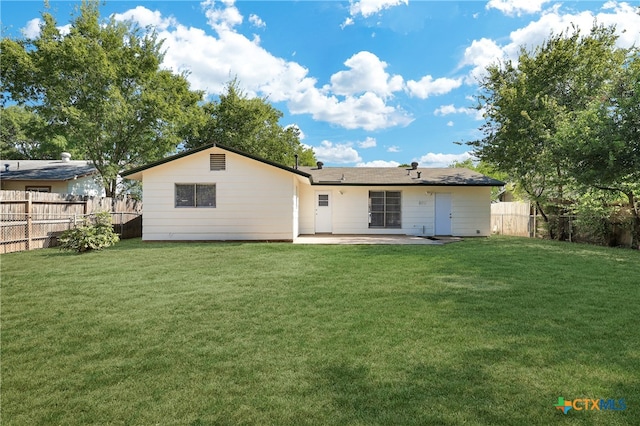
(296, 155)
(66, 157)
(319, 164)
(414, 165)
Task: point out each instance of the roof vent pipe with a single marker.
(319, 164)
(419, 174)
(414, 165)
(296, 156)
(6, 167)
(66, 157)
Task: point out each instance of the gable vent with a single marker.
(217, 162)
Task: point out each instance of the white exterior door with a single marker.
(443, 214)
(296, 213)
(323, 212)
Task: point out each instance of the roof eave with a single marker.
(57, 179)
(406, 184)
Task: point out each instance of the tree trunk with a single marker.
(110, 186)
(550, 232)
(635, 232)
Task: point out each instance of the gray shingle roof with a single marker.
(389, 176)
(45, 169)
(398, 176)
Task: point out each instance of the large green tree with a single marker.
(602, 141)
(251, 125)
(21, 136)
(100, 90)
(530, 102)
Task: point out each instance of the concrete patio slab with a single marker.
(370, 239)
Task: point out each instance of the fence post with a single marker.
(27, 210)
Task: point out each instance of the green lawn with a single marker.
(486, 331)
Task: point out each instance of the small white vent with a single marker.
(217, 162)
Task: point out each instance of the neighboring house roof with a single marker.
(398, 176)
(353, 176)
(52, 170)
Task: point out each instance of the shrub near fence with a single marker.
(32, 220)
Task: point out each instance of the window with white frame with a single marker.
(195, 195)
(385, 209)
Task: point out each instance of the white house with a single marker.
(219, 193)
(64, 176)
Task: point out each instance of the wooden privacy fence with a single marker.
(512, 218)
(32, 220)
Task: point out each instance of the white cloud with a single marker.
(449, 123)
(301, 134)
(32, 29)
(627, 20)
(368, 112)
(366, 74)
(622, 15)
(484, 52)
(480, 55)
(346, 23)
(369, 142)
(257, 21)
(393, 148)
(336, 153)
(451, 109)
(145, 17)
(65, 29)
(224, 18)
(379, 163)
(212, 60)
(427, 86)
(442, 160)
(516, 7)
(367, 8)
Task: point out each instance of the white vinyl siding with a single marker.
(471, 210)
(257, 201)
(254, 201)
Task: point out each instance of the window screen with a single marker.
(385, 209)
(195, 195)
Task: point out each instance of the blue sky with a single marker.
(368, 83)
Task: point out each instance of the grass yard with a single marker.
(486, 331)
